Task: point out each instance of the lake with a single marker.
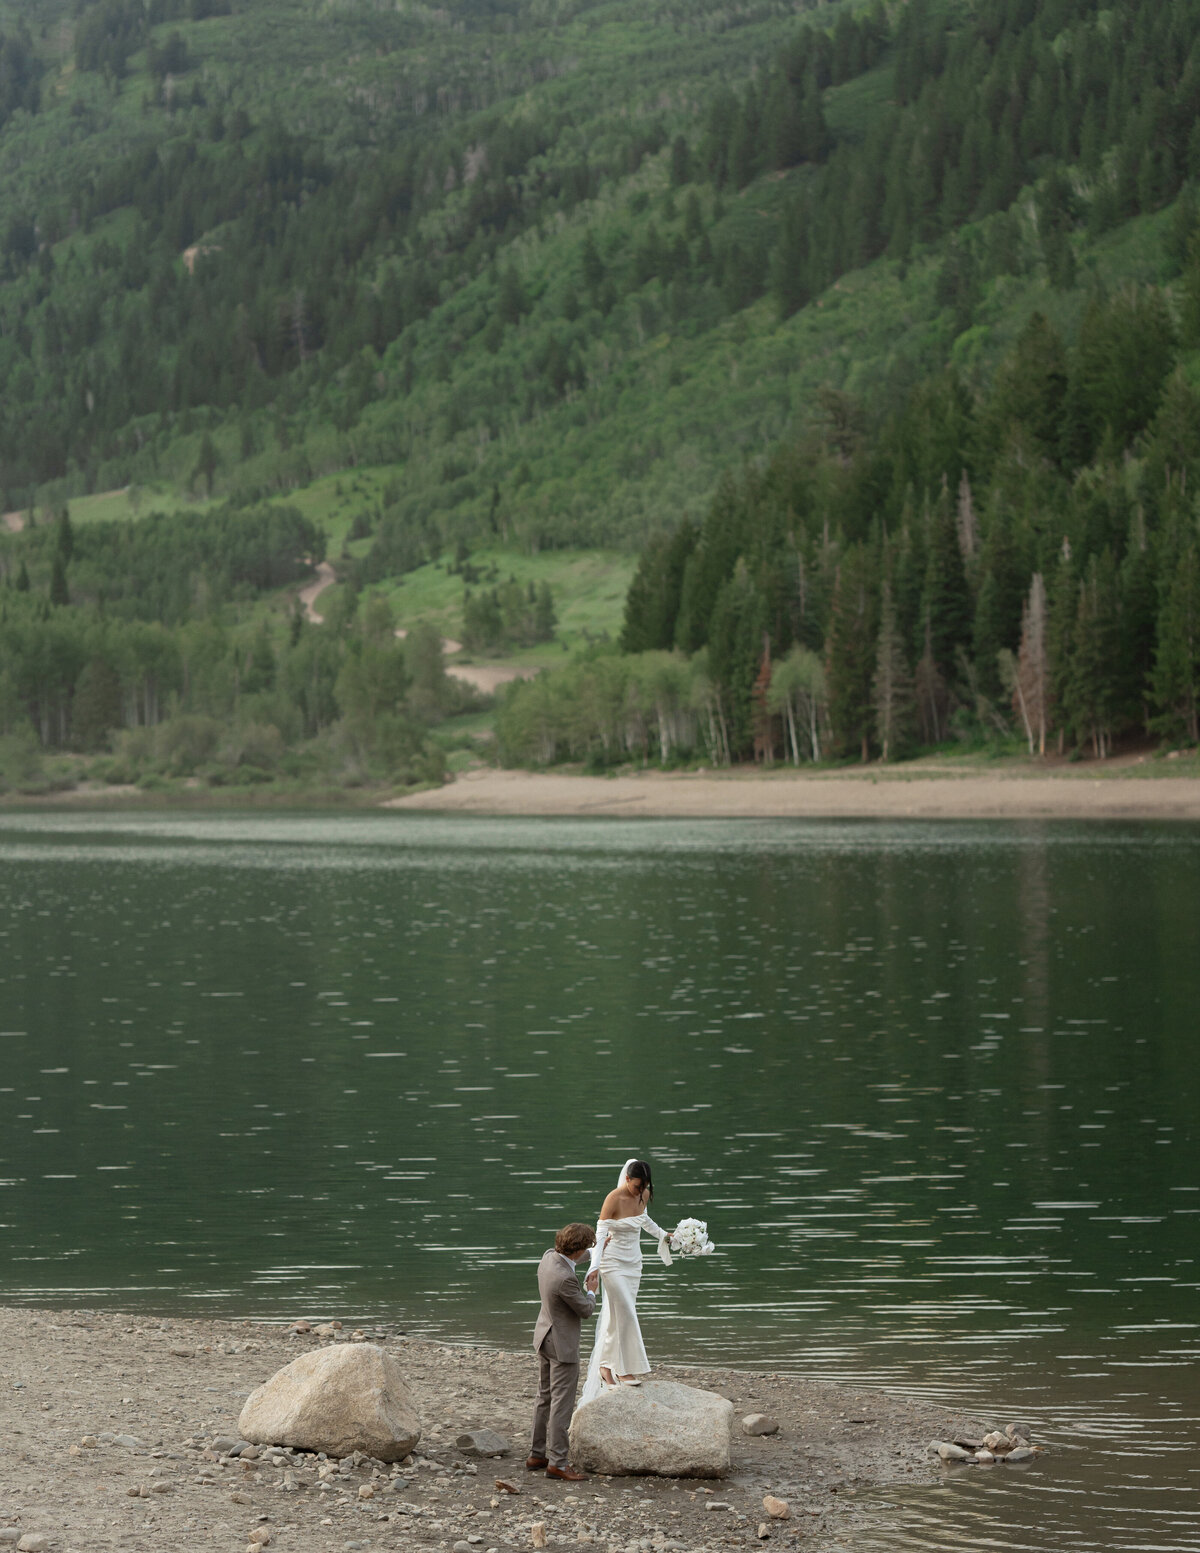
(933, 1086)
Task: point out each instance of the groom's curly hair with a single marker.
(574, 1238)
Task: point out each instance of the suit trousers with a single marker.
(557, 1383)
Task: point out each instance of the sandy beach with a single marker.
(121, 1431)
(1071, 792)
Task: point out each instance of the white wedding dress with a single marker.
(618, 1254)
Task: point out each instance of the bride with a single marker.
(618, 1355)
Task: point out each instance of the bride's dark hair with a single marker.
(639, 1170)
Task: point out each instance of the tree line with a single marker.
(151, 646)
(1018, 561)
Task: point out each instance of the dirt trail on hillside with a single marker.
(326, 577)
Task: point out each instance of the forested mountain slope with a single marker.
(563, 270)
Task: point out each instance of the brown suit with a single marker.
(556, 1342)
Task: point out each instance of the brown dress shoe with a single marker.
(567, 1474)
(536, 1463)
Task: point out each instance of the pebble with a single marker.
(1021, 1453)
(240, 1499)
(366, 1491)
(537, 1534)
(777, 1509)
(950, 1452)
(1019, 1432)
(129, 1441)
(506, 1486)
(763, 1529)
(759, 1423)
(482, 1442)
(462, 1547)
(718, 1504)
(88, 1442)
(261, 1535)
(33, 1542)
(10, 1534)
(184, 1353)
(984, 1456)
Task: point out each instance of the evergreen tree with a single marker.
(850, 652)
(1090, 701)
(790, 263)
(945, 601)
(892, 689)
(65, 536)
(1177, 652)
(735, 649)
(59, 592)
(997, 624)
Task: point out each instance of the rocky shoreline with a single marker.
(121, 1431)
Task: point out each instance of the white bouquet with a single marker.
(690, 1238)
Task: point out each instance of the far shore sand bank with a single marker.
(870, 794)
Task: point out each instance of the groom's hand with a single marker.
(592, 1282)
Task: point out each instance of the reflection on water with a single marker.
(933, 1087)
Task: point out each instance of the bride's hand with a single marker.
(592, 1282)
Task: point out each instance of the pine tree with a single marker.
(946, 601)
(735, 647)
(850, 651)
(59, 593)
(1177, 652)
(1091, 685)
(997, 624)
(891, 688)
(790, 262)
(65, 537)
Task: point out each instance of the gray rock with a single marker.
(224, 1445)
(482, 1442)
(130, 1442)
(759, 1423)
(1019, 1432)
(661, 1428)
(10, 1534)
(948, 1451)
(34, 1542)
(1021, 1453)
(339, 1399)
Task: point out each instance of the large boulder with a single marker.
(659, 1428)
(350, 1397)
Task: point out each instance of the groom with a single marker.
(556, 1343)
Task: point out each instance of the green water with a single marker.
(934, 1088)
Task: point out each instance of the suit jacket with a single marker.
(565, 1304)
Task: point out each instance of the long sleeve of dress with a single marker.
(598, 1248)
(664, 1250)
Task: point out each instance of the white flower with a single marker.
(690, 1238)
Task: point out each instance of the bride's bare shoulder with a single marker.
(610, 1204)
